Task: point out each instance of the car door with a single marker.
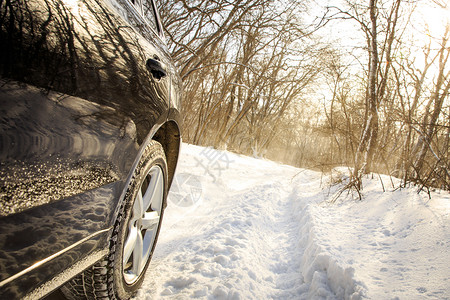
(152, 70)
(85, 83)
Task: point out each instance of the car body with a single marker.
(85, 87)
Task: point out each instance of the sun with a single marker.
(432, 18)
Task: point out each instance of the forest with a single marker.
(363, 84)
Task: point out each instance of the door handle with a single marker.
(156, 67)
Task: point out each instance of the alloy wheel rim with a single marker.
(143, 225)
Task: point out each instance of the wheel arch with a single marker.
(169, 136)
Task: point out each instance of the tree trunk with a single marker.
(368, 141)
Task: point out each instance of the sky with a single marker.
(428, 19)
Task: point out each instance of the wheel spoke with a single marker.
(147, 199)
(150, 220)
(138, 254)
(150, 192)
(157, 191)
(138, 210)
(130, 243)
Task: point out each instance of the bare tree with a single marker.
(433, 110)
(243, 66)
(252, 70)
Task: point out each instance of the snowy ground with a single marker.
(244, 228)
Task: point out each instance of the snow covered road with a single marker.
(234, 240)
(243, 228)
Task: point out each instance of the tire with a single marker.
(134, 237)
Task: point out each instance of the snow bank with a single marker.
(391, 245)
(327, 277)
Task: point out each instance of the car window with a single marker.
(149, 14)
(147, 10)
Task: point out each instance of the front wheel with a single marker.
(135, 233)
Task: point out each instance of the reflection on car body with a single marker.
(87, 88)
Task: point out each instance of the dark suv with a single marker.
(89, 142)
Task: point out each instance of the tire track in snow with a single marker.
(239, 243)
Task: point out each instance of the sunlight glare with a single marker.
(432, 20)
